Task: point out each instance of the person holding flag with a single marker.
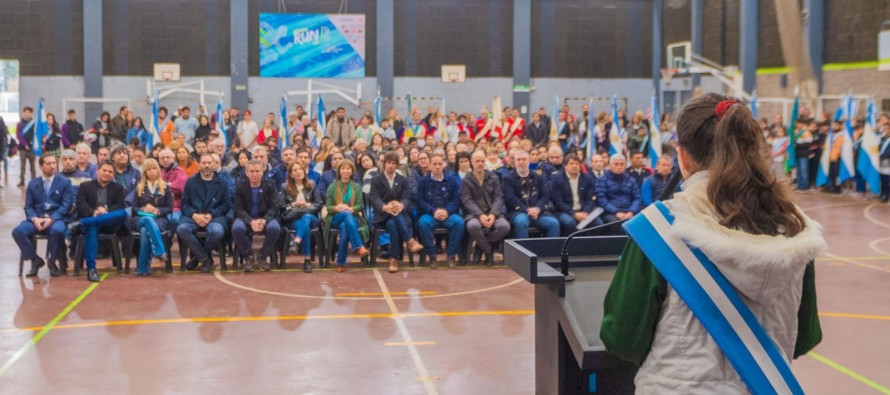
(868, 162)
(706, 273)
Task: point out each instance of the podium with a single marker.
(570, 358)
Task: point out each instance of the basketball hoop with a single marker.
(668, 74)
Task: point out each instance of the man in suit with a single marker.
(573, 195)
(47, 201)
(256, 212)
(390, 197)
(205, 204)
(100, 207)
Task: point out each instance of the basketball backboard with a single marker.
(166, 72)
(454, 72)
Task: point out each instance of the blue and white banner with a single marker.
(616, 146)
(590, 139)
(41, 129)
(655, 133)
(153, 126)
(869, 157)
(715, 303)
(312, 45)
(321, 129)
(754, 105)
(221, 124)
(283, 137)
(848, 167)
(378, 110)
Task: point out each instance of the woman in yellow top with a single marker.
(742, 219)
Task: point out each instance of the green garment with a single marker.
(358, 210)
(638, 291)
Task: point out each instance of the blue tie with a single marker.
(46, 187)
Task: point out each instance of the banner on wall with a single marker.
(312, 45)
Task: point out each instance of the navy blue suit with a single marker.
(561, 198)
(56, 207)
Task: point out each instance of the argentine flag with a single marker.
(590, 139)
(220, 124)
(320, 131)
(153, 126)
(282, 130)
(869, 161)
(754, 105)
(615, 144)
(41, 128)
(554, 119)
(378, 110)
(848, 168)
(825, 161)
(654, 134)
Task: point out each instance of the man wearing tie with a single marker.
(47, 201)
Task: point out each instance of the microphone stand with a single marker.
(668, 191)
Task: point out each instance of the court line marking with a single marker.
(222, 279)
(427, 343)
(859, 316)
(874, 245)
(381, 293)
(272, 318)
(48, 327)
(406, 336)
(833, 206)
(860, 264)
(866, 212)
(856, 376)
(855, 258)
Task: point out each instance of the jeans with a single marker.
(175, 216)
(151, 244)
(106, 223)
(885, 187)
(397, 229)
(568, 224)
(546, 223)
(186, 233)
(455, 225)
(23, 233)
(803, 173)
(348, 227)
(241, 233)
(303, 227)
(27, 157)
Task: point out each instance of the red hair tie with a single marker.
(722, 107)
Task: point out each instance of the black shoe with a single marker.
(248, 263)
(384, 252)
(433, 263)
(36, 264)
(489, 259)
(307, 266)
(192, 264)
(92, 276)
(207, 265)
(264, 263)
(477, 256)
(53, 269)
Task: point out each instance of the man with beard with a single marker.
(205, 203)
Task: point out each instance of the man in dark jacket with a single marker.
(100, 207)
(256, 212)
(483, 201)
(527, 200)
(618, 194)
(72, 131)
(438, 201)
(573, 195)
(205, 203)
(636, 170)
(552, 165)
(47, 201)
(390, 198)
(538, 132)
(25, 134)
(124, 172)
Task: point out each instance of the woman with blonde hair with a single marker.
(300, 206)
(345, 202)
(152, 202)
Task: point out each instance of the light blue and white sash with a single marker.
(714, 302)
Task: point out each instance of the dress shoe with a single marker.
(362, 252)
(53, 269)
(307, 266)
(341, 268)
(414, 246)
(192, 264)
(433, 263)
(477, 256)
(248, 263)
(452, 262)
(207, 265)
(36, 264)
(393, 265)
(92, 276)
(264, 262)
(489, 259)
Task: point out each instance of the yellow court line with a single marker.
(381, 293)
(859, 316)
(275, 318)
(429, 343)
(432, 378)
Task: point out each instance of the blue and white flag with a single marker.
(554, 130)
(715, 303)
(153, 126)
(283, 138)
(869, 157)
(378, 110)
(220, 124)
(655, 133)
(848, 167)
(41, 129)
(754, 104)
(321, 129)
(615, 144)
(590, 140)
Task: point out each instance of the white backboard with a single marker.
(454, 72)
(167, 72)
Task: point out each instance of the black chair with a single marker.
(202, 236)
(112, 238)
(376, 231)
(332, 241)
(236, 257)
(62, 254)
(167, 235)
(462, 253)
(317, 249)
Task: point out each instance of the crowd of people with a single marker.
(479, 178)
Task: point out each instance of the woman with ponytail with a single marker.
(734, 211)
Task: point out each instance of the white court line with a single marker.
(866, 212)
(423, 375)
(874, 246)
(860, 264)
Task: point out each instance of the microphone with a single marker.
(669, 190)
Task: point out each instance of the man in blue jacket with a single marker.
(437, 201)
(47, 201)
(124, 173)
(527, 199)
(573, 195)
(205, 203)
(618, 194)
